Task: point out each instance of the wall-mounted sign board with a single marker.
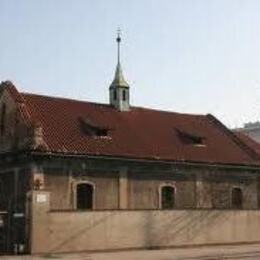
(40, 198)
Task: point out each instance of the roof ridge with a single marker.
(63, 98)
(108, 105)
(170, 111)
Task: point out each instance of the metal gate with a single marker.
(12, 233)
(3, 232)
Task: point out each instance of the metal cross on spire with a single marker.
(118, 39)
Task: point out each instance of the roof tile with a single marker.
(138, 133)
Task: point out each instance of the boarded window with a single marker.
(167, 197)
(236, 198)
(84, 196)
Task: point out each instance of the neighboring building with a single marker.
(122, 164)
(252, 130)
(253, 144)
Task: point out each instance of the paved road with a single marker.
(203, 253)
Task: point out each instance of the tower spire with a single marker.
(119, 80)
(119, 88)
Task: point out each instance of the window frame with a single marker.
(172, 185)
(231, 198)
(75, 201)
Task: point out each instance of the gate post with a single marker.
(38, 206)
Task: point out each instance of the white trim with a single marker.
(166, 184)
(75, 184)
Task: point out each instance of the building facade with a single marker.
(252, 130)
(67, 157)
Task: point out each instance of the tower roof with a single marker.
(119, 80)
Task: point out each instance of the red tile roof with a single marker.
(139, 133)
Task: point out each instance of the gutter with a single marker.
(143, 160)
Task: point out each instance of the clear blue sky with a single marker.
(192, 56)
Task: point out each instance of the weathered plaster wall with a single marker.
(106, 230)
(194, 188)
(221, 192)
(62, 184)
(144, 189)
(138, 188)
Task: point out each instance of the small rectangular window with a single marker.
(84, 196)
(236, 198)
(167, 197)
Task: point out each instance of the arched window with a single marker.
(3, 119)
(84, 196)
(236, 198)
(167, 197)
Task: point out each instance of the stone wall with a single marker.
(53, 232)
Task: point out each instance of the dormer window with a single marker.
(101, 132)
(190, 139)
(93, 130)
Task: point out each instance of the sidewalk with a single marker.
(203, 253)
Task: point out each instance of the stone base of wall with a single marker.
(53, 232)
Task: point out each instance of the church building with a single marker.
(78, 176)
